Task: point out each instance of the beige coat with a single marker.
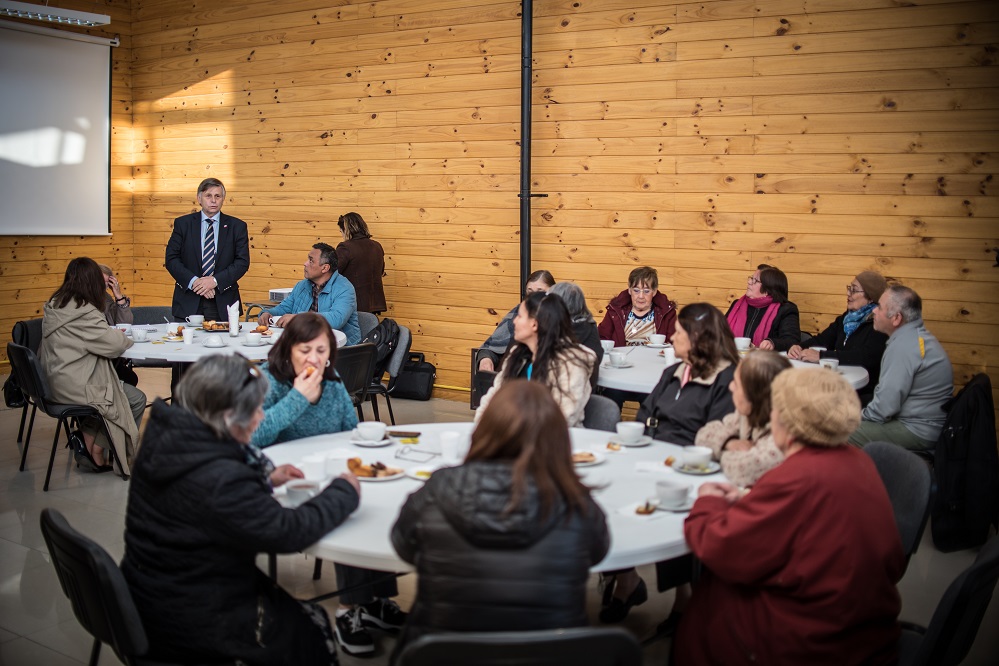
(743, 468)
(571, 378)
(76, 352)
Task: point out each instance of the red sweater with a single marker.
(800, 571)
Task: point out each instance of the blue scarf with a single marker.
(854, 319)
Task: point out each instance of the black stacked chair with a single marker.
(355, 365)
(27, 333)
(551, 647)
(31, 379)
(393, 367)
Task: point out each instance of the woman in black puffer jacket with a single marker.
(200, 508)
(505, 541)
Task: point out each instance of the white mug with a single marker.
(629, 432)
(672, 493)
(253, 338)
(195, 320)
(188, 334)
(371, 431)
(669, 355)
(657, 339)
(301, 490)
(829, 363)
(696, 456)
(742, 344)
(139, 334)
(617, 358)
(607, 345)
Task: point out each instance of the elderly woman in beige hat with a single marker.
(851, 337)
(803, 568)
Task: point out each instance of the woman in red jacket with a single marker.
(638, 311)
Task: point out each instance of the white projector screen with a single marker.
(55, 136)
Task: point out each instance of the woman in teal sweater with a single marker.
(306, 398)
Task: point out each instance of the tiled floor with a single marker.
(37, 624)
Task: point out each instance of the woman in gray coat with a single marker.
(76, 354)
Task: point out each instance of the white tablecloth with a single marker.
(178, 352)
(363, 540)
(646, 368)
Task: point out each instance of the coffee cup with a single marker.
(450, 446)
(371, 431)
(214, 340)
(607, 345)
(139, 334)
(302, 490)
(195, 320)
(173, 326)
(657, 339)
(672, 493)
(696, 456)
(617, 358)
(124, 328)
(253, 338)
(669, 355)
(829, 363)
(188, 334)
(629, 432)
(742, 344)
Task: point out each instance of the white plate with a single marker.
(644, 440)
(711, 469)
(619, 367)
(683, 508)
(379, 479)
(370, 443)
(662, 346)
(415, 472)
(262, 343)
(598, 458)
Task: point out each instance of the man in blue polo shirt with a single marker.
(323, 291)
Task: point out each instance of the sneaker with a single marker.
(354, 638)
(383, 614)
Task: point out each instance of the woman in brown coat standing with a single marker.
(76, 354)
(362, 261)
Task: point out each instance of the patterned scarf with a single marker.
(260, 463)
(854, 319)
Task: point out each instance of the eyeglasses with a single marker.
(640, 292)
(752, 279)
(850, 289)
(254, 373)
(415, 455)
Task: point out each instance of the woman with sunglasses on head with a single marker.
(307, 398)
(200, 510)
(361, 260)
(545, 350)
(851, 337)
(764, 314)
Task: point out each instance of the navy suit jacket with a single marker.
(183, 260)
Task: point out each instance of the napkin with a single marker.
(653, 467)
(233, 312)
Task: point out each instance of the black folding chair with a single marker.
(355, 365)
(909, 482)
(393, 368)
(31, 379)
(27, 333)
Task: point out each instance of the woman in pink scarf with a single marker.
(764, 314)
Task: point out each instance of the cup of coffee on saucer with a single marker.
(196, 320)
(672, 494)
(616, 358)
(696, 457)
(139, 334)
(253, 339)
(629, 432)
(607, 345)
(829, 363)
(657, 339)
(302, 490)
(371, 431)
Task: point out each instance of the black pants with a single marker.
(378, 584)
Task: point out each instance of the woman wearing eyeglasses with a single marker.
(307, 398)
(639, 311)
(765, 314)
(851, 337)
(200, 509)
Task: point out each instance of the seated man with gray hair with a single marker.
(916, 378)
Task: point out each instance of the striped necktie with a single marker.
(208, 256)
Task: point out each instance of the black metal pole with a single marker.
(526, 54)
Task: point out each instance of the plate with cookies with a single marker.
(375, 471)
(215, 326)
(587, 458)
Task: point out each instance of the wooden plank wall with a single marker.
(826, 137)
(32, 267)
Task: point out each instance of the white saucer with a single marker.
(356, 440)
(619, 367)
(644, 440)
(262, 343)
(139, 342)
(711, 469)
(662, 346)
(683, 508)
(218, 346)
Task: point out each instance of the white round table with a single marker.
(178, 352)
(621, 481)
(646, 367)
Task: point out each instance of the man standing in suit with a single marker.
(207, 253)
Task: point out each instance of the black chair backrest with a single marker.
(95, 587)
(551, 647)
(959, 614)
(909, 482)
(601, 413)
(399, 355)
(28, 333)
(354, 364)
(151, 314)
(366, 322)
(28, 371)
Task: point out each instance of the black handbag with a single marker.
(12, 395)
(416, 379)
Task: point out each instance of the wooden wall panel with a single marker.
(700, 138)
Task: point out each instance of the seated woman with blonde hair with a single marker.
(742, 441)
